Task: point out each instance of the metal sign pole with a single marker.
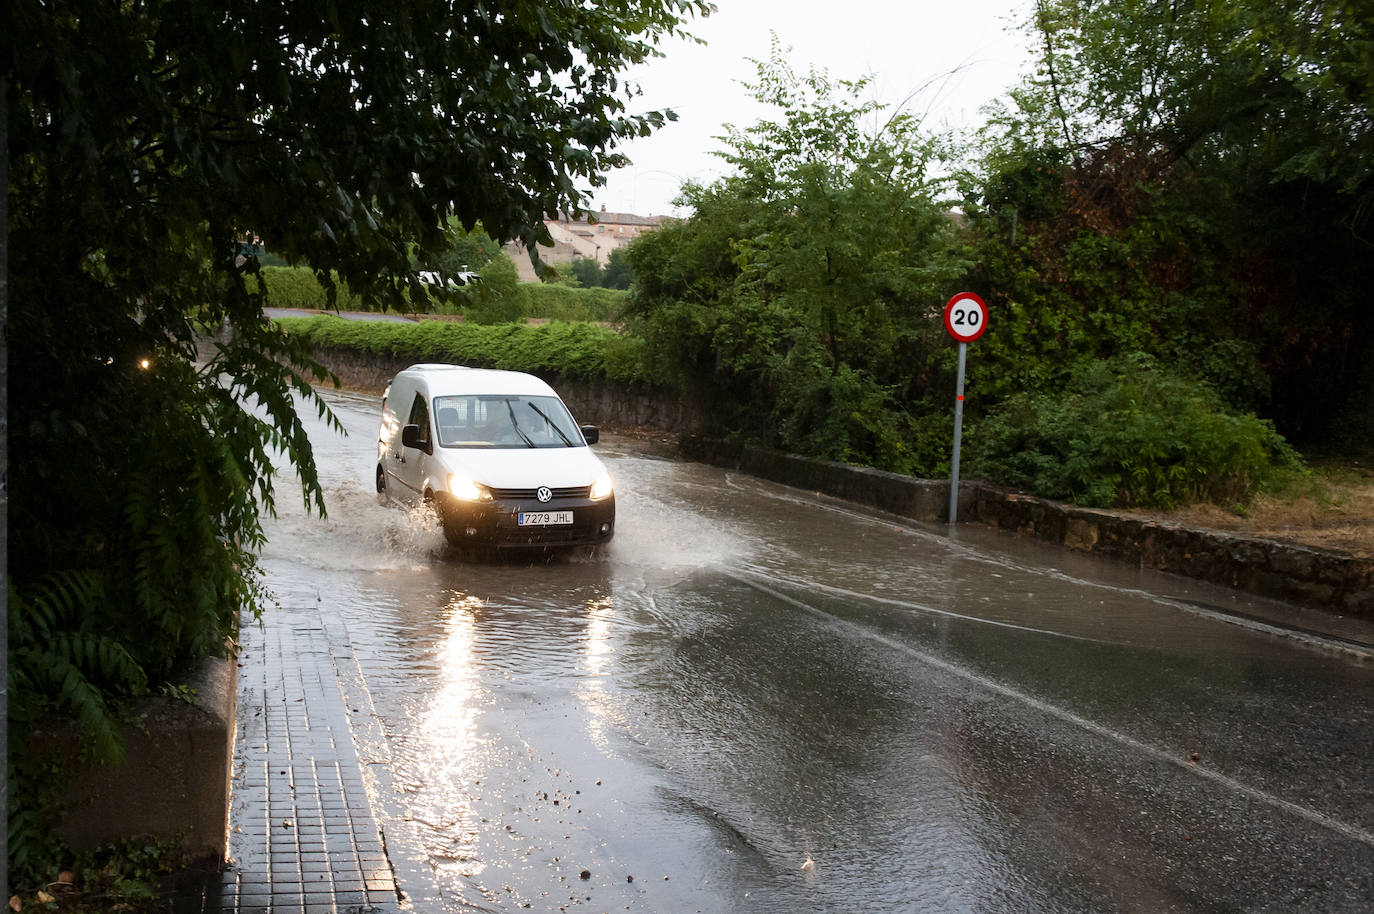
(966, 318)
(958, 434)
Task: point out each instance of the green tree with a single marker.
(586, 271)
(799, 286)
(144, 140)
(467, 251)
(1188, 175)
(496, 295)
(619, 273)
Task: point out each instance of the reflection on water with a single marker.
(598, 642)
(447, 725)
(754, 700)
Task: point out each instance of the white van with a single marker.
(498, 455)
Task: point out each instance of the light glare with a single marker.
(602, 487)
(465, 489)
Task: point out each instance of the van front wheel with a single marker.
(453, 532)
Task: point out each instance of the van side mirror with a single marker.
(591, 434)
(410, 437)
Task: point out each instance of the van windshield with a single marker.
(504, 421)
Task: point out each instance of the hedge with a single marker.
(572, 350)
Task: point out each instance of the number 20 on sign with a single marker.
(966, 317)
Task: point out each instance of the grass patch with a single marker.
(1332, 508)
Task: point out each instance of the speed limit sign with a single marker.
(966, 317)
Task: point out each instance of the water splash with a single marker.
(359, 534)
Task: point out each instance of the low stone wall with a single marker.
(361, 372)
(1320, 578)
(174, 783)
(1302, 574)
(919, 499)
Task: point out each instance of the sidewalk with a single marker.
(302, 835)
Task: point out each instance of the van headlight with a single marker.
(601, 488)
(465, 489)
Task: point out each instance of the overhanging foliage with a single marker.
(148, 139)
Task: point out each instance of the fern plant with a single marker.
(59, 668)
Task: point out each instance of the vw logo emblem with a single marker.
(544, 493)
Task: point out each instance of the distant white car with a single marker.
(455, 280)
(499, 456)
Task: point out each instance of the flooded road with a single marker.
(760, 700)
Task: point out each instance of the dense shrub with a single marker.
(1129, 433)
(569, 303)
(499, 296)
(300, 287)
(1124, 432)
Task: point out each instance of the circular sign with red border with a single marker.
(966, 317)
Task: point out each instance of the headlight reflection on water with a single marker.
(598, 637)
(448, 727)
(596, 654)
(451, 715)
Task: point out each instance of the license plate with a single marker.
(544, 518)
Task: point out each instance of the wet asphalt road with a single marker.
(760, 700)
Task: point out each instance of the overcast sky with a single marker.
(903, 44)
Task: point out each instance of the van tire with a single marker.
(381, 480)
(452, 532)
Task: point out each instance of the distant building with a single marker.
(610, 231)
(593, 236)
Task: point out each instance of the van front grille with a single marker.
(529, 494)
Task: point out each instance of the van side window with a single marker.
(419, 415)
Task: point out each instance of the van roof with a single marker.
(440, 380)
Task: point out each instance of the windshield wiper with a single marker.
(553, 425)
(515, 424)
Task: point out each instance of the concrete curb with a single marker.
(1321, 578)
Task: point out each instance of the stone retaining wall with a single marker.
(592, 402)
(1302, 574)
(1320, 578)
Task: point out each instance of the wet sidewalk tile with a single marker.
(302, 836)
